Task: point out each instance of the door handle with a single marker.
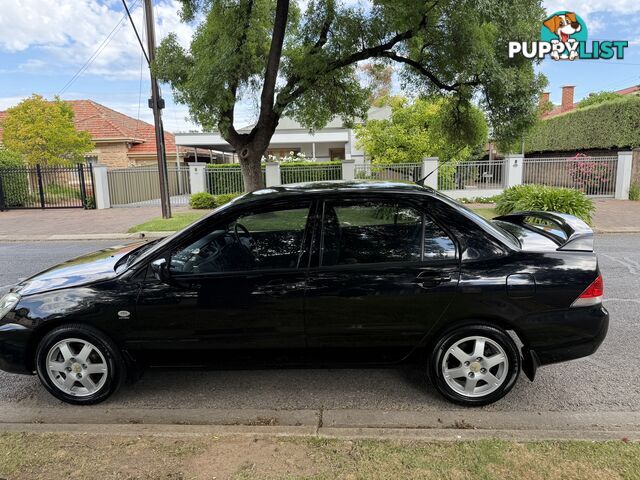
(432, 279)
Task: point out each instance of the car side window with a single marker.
(370, 232)
(437, 244)
(252, 241)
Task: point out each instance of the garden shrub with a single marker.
(634, 192)
(225, 198)
(540, 197)
(612, 124)
(202, 201)
(15, 182)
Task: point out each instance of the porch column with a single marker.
(429, 165)
(101, 186)
(623, 175)
(198, 177)
(272, 174)
(513, 168)
(313, 150)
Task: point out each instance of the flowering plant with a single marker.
(589, 176)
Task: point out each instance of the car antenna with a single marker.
(422, 180)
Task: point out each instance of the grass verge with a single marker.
(486, 212)
(75, 456)
(177, 222)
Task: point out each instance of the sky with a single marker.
(86, 49)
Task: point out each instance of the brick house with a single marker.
(120, 141)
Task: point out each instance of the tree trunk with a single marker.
(250, 160)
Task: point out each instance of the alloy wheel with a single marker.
(475, 366)
(77, 367)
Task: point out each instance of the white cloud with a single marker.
(68, 32)
(585, 7)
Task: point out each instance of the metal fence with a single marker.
(403, 172)
(225, 179)
(140, 186)
(310, 173)
(46, 187)
(595, 176)
(478, 175)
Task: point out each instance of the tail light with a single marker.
(592, 295)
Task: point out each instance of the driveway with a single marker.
(75, 221)
(604, 385)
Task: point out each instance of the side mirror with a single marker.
(160, 269)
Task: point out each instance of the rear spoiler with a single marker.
(576, 234)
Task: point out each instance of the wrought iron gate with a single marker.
(46, 187)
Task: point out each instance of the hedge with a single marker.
(14, 178)
(609, 125)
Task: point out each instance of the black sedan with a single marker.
(332, 273)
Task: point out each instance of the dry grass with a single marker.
(58, 456)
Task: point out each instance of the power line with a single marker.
(98, 50)
(135, 30)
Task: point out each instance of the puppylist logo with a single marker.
(563, 36)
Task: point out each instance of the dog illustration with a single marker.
(563, 26)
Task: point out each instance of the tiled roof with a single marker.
(103, 123)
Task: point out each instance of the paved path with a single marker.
(75, 221)
(617, 215)
(602, 386)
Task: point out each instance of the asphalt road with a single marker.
(609, 381)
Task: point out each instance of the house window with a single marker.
(280, 153)
(336, 153)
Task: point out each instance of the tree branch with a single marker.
(273, 63)
(420, 68)
(227, 116)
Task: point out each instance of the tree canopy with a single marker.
(300, 59)
(594, 98)
(422, 129)
(43, 132)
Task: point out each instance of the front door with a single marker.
(385, 274)
(238, 286)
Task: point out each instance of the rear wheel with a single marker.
(475, 364)
(79, 365)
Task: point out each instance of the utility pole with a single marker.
(156, 103)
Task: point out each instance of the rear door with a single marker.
(383, 272)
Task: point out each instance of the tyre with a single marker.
(79, 365)
(474, 365)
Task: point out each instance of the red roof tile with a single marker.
(103, 123)
(558, 109)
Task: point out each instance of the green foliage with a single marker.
(54, 191)
(540, 197)
(634, 192)
(202, 200)
(43, 132)
(613, 124)
(225, 198)
(448, 47)
(15, 182)
(222, 165)
(423, 129)
(596, 98)
(9, 158)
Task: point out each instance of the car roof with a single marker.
(332, 187)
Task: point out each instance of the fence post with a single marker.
(272, 171)
(101, 186)
(198, 177)
(623, 175)
(513, 168)
(348, 169)
(429, 165)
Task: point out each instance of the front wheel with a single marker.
(474, 365)
(79, 365)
